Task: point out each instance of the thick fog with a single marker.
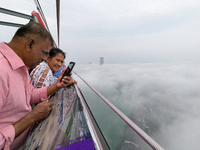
(170, 94)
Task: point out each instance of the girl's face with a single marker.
(56, 62)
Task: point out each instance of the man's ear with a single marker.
(29, 44)
(48, 58)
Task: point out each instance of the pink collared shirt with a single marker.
(16, 96)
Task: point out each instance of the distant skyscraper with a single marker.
(101, 60)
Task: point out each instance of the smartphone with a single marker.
(68, 70)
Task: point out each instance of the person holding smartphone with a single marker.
(43, 74)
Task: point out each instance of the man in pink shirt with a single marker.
(29, 46)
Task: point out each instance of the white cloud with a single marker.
(170, 90)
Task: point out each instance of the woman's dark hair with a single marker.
(54, 51)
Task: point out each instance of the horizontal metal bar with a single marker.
(10, 24)
(14, 13)
(137, 129)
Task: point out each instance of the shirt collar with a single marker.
(14, 60)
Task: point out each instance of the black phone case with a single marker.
(68, 70)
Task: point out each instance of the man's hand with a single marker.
(42, 110)
(39, 112)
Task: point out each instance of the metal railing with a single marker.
(98, 137)
(137, 129)
(16, 14)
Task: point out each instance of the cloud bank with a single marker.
(169, 91)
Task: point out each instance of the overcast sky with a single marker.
(120, 31)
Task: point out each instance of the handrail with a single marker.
(15, 13)
(10, 24)
(137, 129)
(90, 124)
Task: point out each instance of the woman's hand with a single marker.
(66, 80)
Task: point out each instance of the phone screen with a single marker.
(68, 70)
(71, 65)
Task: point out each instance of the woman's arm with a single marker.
(66, 81)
